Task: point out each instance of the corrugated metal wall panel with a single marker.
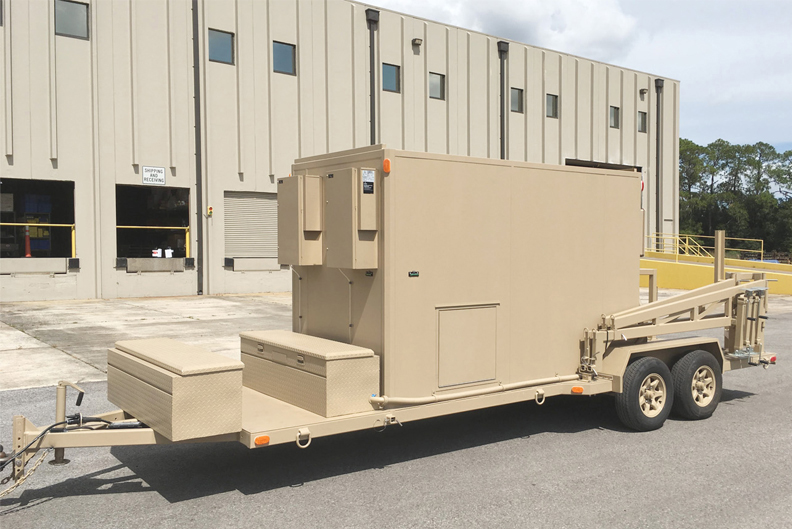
(251, 224)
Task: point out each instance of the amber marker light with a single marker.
(577, 390)
(386, 165)
(262, 440)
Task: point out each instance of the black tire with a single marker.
(632, 406)
(696, 399)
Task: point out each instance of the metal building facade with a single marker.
(100, 111)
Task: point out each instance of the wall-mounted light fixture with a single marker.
(643, 92)
(417, 42)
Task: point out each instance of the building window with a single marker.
(71, 19)
(517, 100)
(551, 102)
(284, 58)
(614, 117)
(152, 218)
(251, 224)
(436, 85)
(221, 46)
(391, 78)
(641, 121)
(37, 204)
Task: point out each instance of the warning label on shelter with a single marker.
(368, 181)
(154, 176)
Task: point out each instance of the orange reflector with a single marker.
(262, 440)
(386, 165)
(577, 389)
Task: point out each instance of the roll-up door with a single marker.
(251, 224)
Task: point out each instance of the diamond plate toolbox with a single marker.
(179, 390)
(322, 376)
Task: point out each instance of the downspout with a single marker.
(659, 165)
(198, 158)
(372, 17)
(503, 51)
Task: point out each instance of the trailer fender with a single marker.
(617, 358)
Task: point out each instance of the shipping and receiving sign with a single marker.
(154, 176)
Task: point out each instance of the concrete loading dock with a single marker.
(384, 260)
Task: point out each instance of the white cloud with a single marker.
(734, 61)
(594, 29)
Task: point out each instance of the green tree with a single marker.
(744, 189)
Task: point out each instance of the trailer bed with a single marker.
(265, 416)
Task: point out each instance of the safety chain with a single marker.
(27, 474)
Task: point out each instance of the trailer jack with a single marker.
(28, 439)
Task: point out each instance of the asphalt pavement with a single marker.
(568, 463)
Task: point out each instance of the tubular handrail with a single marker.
(185, 228)
(50, 225)
(685, 244)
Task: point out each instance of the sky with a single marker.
(732, 57)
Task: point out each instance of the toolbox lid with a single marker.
(177, 357)
(308, 345)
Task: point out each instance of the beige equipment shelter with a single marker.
(426, 285)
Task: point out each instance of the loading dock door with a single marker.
(251, 224)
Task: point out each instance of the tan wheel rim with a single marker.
(652, 395)
(703, 386)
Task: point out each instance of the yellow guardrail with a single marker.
(683, 244)
(48, 225)
(185, 228)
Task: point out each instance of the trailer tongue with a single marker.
(426, 285)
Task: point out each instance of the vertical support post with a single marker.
(659, 227)
(753, 320)
(372, 17)
(53, 84)
(653, 287)
(644, 246)
(8, 93)
(652, 274)
(74, 241)
(18, 430)
(60, 416)
(27, 241)
(740, 313)
(720, 255)
(761, 317)
(133, 80)
(171, 113)
(503, 52)
(239, 103)
(196, 34)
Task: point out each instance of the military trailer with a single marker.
(426, 285)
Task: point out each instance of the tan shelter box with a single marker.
(464, 273)
(322, 376)
(181, 391)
